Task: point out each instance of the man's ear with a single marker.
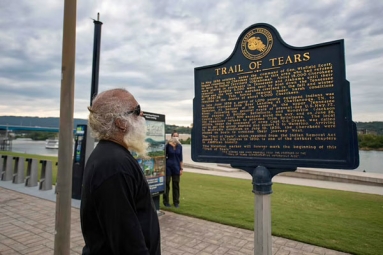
(120, 124)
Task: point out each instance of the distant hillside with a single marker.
(36, 121)
(371, 127)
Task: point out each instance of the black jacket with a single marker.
(117, 212)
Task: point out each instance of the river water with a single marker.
(370, 161)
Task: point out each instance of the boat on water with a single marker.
(52, 143)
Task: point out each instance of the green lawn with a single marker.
(344, 221)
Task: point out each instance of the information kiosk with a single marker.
(78, 160)
(154, 167)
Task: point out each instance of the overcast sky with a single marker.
(152, 47)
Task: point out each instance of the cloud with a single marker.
(152, 47)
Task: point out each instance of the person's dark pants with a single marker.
(175, 179)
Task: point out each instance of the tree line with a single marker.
(370, 142)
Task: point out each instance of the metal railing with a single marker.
(13, 169)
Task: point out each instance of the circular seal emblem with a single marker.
(257, 43)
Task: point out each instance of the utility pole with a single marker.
(64, 176)
(95, 74)
(96, 57)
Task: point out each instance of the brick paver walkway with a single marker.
(27, 227)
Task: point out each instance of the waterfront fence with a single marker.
(16, 172)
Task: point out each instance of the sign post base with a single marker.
(262, 211)
(262, 228)
(262, 205)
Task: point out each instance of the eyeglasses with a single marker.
(136, 110)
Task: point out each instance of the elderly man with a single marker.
(118, 215)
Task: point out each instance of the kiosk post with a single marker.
(78, 160)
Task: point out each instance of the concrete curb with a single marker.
(335, 176)
(343, 176)
(211, 168)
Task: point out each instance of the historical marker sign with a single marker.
(275, 105)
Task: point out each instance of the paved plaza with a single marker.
(27, 227)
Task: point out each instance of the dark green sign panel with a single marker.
(275, 105)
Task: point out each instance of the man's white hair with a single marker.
(106, 108)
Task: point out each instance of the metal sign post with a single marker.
(262, 211)
(262, 189)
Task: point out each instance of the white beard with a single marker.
(135, 138)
